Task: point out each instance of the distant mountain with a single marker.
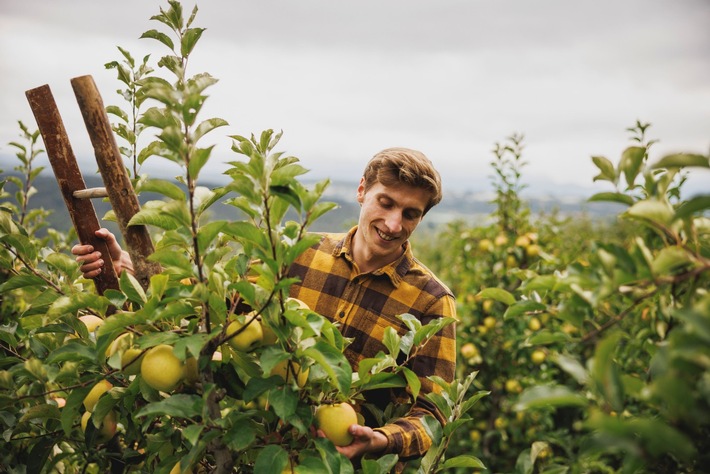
(468, 206)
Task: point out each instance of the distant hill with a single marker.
(474, 208)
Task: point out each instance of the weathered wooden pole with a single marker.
(70, 180)
(116, 180)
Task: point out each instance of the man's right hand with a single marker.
(92, 261)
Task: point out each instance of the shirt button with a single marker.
(342, 314)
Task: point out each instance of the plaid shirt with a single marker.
(366, 304)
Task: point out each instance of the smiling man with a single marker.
(367, 277)
(363, 280)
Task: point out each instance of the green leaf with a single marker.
(412, 381)
(545, 336)
(207, 233)
(333, 363)
(497, 294)
(605, 372)
(157, 35)
(130, 286)
(682, 160)
(284, 401)
(21, 281)
(161, 186)
(72, 351)
(178, 405)
(463, 460)
(653, 211)
(630, 163)
(190, 38)
(207, 126)
(690, 207)
(573, 367)
(546, 396)
(612, 197)
(606, 168)
(522, 307)
(271, 459)
(198, 160)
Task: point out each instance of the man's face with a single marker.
(388, 216)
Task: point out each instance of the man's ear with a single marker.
(361, 191)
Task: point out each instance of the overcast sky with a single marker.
(344, 79)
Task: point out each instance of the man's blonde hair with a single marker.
(394, 166)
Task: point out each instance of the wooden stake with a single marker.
(70, 180)
(118, 185)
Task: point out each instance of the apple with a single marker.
(161, 369)
(469, 350)
(489, 322)
(335, 421)
(487, 306)
(532, 250)
(107, 428)
(534, 324)
(131, 361)
(282, 369)
(538, 356)
(91, 322)
(96, 391)
(500, 240)
(485, 245)
(522, 241)
(249, 338)
(513, 386)
(269, 337)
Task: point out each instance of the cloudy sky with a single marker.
(344, 79)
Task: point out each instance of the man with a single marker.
(363, 280)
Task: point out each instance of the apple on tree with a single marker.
(161, 369)
(245, 339)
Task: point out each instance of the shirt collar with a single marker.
(395, 270)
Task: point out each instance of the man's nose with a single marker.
(394, 222)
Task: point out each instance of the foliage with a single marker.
(595, 353)
(241, 366)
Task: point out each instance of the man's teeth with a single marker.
(384, 236)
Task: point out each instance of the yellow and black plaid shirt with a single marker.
(366, 304)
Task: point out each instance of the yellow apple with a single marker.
(281, 369)
(469, 350)
(161, 369)
(532, 250)
(489, 322)
(538, 356)
(248, 339)
(107, 428)
(335, 421)
(513, 386)
(96, 391)
(522, 241)
(487, 306)
(91, 322)
(119, 344)
(485, 245)
(500, 240)
(534, 324)
(131, 361)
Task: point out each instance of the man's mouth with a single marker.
(384, 236)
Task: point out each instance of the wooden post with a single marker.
(118, 185)
(70, 180)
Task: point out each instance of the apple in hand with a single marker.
(335, 421)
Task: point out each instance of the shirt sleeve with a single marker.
(407, 436)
